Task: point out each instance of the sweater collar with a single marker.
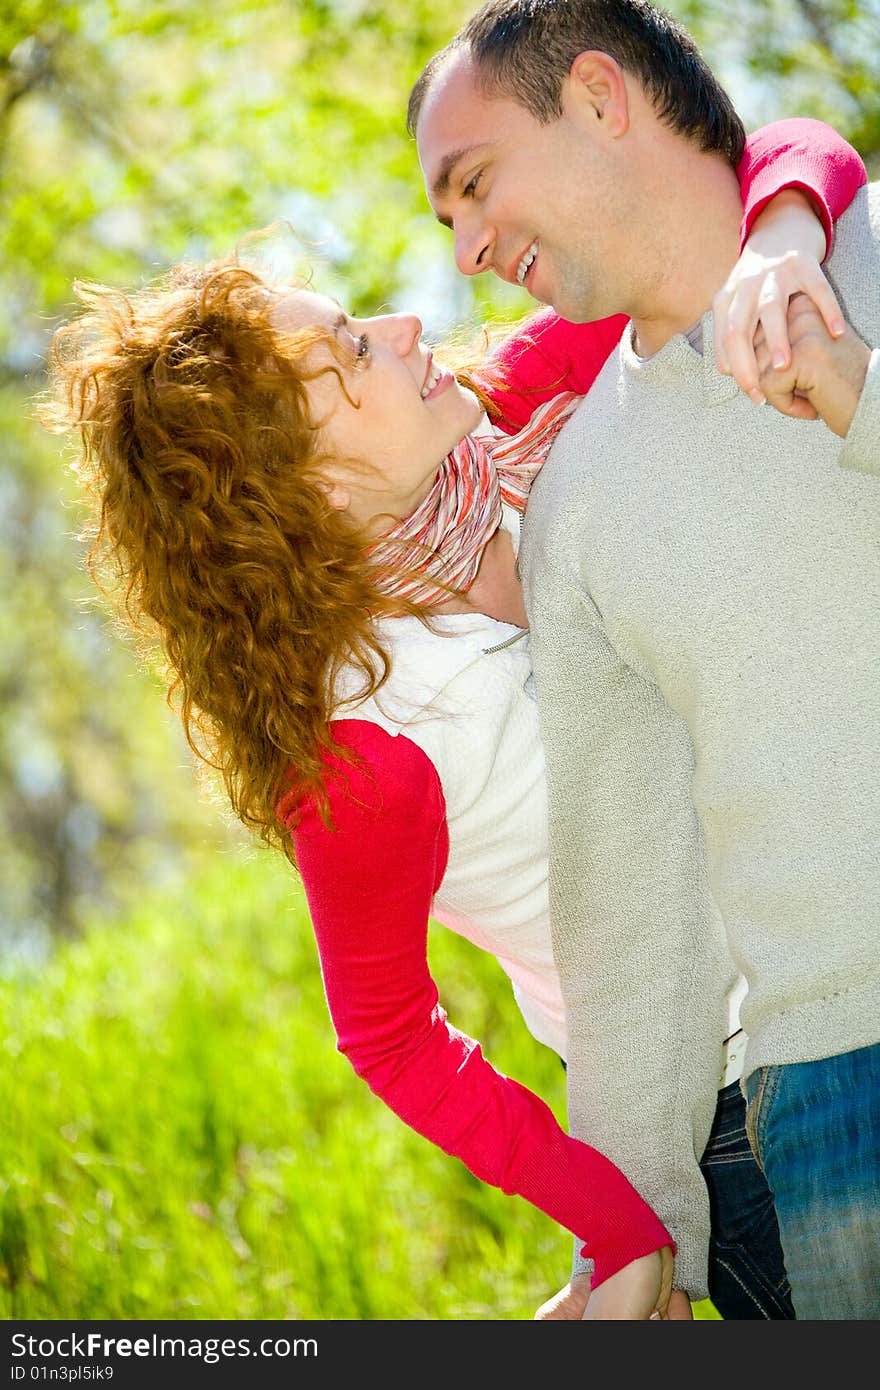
(678, 361)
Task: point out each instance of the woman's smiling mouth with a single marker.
(435, 378)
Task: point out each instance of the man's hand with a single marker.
(679, 1307)
(825, 377)
(571, 1303)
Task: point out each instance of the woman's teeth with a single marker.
(433, 377)
(524, 266)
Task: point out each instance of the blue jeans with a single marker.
(747, 1277)
(815, 1130)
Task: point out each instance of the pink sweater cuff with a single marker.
(805, 154)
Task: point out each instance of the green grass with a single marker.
(181, 1139)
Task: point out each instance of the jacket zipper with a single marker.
(508, 642)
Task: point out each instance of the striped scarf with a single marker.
(439, 546)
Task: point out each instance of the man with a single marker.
(703, 584)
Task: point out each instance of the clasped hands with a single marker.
(641, 1291)
(780, 333)
(824, 376)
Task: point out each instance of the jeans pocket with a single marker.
(758, 1108)
(756, 1092)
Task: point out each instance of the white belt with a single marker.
(733, 1052)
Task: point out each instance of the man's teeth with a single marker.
(433, 377)
(522, 269)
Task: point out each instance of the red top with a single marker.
(369, 885)
(371, 880)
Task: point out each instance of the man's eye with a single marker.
(470, 187)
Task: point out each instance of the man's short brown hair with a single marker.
(524, 49)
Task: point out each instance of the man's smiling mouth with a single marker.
(526, 263)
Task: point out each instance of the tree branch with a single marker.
(818, 22)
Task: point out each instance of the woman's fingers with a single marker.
(569, 1304)
(773, 325)
(736, 314)
(752, 307)
(816, 287)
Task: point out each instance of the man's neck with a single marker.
(695, 244)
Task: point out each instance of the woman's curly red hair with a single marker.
(205, 471)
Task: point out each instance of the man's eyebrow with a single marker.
(447, 164)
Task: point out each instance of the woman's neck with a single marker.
(496, 591)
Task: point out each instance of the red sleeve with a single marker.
(547, 355)
(544, 356)
(370, 882)
(799, 153)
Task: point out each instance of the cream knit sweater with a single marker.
(703, 584)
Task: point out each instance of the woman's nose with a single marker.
(401, 331)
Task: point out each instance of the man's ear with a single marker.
(596, 90)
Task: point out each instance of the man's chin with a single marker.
(569, 303)
(572, 307)
(573, 315)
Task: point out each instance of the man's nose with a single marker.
(473, 242)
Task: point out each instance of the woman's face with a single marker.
(405, 413)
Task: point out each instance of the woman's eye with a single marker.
(363, 348)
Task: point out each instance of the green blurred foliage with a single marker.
(96, 783)
(797, 57)
(181, 1139)
(136, 133)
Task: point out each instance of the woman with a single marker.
(269, 482)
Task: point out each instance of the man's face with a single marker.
(533, 203)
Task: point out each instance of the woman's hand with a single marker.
(641, 1291)
(570, 1304)
(781, 258)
